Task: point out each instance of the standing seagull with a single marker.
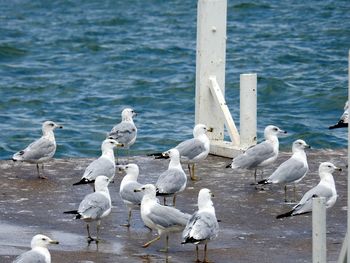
(325, 188)
(173, 180)
(291, 171)
(203, 225)
(39, 252)
(164, 219)
(261, 154)
(95, 206)
(344, 119)
(193, 150)
(104, 165)
(41, 150)
(129, 183)
(125, 132)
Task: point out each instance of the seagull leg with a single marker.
(164, 200)
(129, 219)
(205, 254)
(189, 170)
(295, 193)
(166, 245)
(285, 193)
(174, 200)
(193, 177)
(42, 169)
(197, 259)
(97, 231)
(150, 242)
(255, 176)
(90, 239)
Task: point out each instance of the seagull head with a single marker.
(172, 154)
(327, 168)
(42, 241)
(50, 126)
(128, 114)
(101, 182)
(299, 145)
(147, 189)
(110, 143)
(200, 129)
(204, 199)
(130, 169)
(272, 130)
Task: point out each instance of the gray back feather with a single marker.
(38, 149)
(166, 216)
(171, 181)
(289, 171)
(123, 132)
(94, 205)
(30, 257)
(190, 148)
(100, 166)
(254, 156)
(201, 226)
(128, 193)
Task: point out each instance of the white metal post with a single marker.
(248, 109)
(319, 245)
(210, 61)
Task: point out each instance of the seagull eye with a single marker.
(275, 129)
(44, 239)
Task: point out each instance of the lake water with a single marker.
(79, 63)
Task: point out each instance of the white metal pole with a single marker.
(319, 245)
(210, 61)
(248, 109)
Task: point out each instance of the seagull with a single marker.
(203, 225)
(155, 216)
(39, 252)
(325, 188)
(291, 171)
(129, 183)
(193, 150)
(344, 119)
(104, 165)
(125, 132)
(95, 206)
(173, 180)
(41, 150)
(259, 155)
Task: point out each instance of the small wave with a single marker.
(7, 51)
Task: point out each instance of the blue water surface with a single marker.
(79, 63)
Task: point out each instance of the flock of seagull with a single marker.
(198, 228)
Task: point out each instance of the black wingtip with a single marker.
(340, 124)
(84, 181)
(74, 212)
(154, 154)
(288, 214)
(263, 182)
(191, 240)
(229, 165)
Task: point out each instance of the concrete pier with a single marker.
(249, 231)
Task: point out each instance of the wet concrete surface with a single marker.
(249, 231)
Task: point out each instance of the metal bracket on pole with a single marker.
(220, 100)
